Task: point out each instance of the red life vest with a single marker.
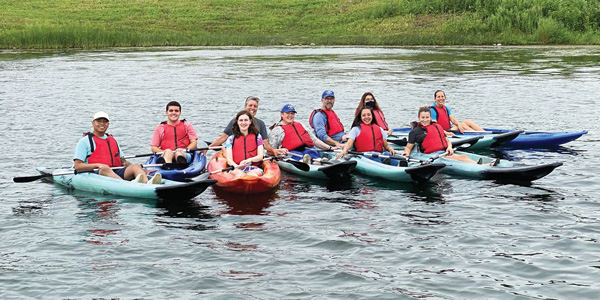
(435, 140)
(175, 136)
(244, 147)
(333, 125)
(106, 152)
(443, 118)
(380, 119)
(295, 136)
(369, 139)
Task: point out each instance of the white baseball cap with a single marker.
(100, 115)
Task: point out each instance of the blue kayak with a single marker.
(539, 139)
(195, 168)
(501, 138)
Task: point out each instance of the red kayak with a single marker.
(246, 184)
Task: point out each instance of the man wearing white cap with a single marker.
(289, 136)
(99, 150)
(326, 123)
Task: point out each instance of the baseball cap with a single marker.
(328, 93)
(100, 115)
(288, 108)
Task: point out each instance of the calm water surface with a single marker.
(360, 239)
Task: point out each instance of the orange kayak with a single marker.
(246, 184)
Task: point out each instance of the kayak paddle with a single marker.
(75, 172)
(188, 151)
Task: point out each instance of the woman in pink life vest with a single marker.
(368, 100)
(367, 136)
(244, 146)
(441, 114)
(431, 137)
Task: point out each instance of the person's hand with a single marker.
(282, 151)
(450, 151)
(390, 132)
(392, 151)
(450, 133)
(404, 153)
(339, 145)
(341, 154)
(336, 147)
(149, 171)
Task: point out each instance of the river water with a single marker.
(451, 238)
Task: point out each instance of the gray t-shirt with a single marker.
(261, 128)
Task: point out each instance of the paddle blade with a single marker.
(30, 178)
(201, 177)
(298, 164)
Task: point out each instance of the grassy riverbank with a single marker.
(118, 23)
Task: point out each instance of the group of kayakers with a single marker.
(245, 138)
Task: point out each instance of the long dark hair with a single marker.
(362, 102)
(358, 120)
(236, 128)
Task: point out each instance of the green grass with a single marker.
(119, 23)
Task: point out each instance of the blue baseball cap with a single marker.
(328, 93)
(288, 108)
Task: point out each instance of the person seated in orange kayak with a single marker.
(367, 136)
(174, 137)
(441, 114)
(289, 136)
(245, 146)
(368, 100)
(430, 137)
(99, 150)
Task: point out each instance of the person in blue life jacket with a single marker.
(367, 136)
(251, 105)
(441, 114)
(368, 100)
(244, 146)
(431, 137)
(99, 150)
(290, 136)
(327, 125)
(174, 137)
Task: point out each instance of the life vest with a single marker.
(333, 125)
(380, 119)
(369, 139)
(106, 151)
(244, 147)
(435, 140)
(295, 136)
(443, 118)
(175, 137)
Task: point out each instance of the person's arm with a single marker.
(386, 145)
(449, 148)
(407, 149)
(193, 136)
(346, 148)
(157, 136)
(219, 141)
(274, 142)
(319, 123)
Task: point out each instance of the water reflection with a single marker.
(240, 204)
(184, 214)
(102, 215)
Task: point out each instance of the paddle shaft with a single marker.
(187, 150)
(74, 172)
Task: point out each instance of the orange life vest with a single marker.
(295, 136)
(106, 151)
(369, 139)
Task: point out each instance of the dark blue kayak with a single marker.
(195, 168)
(539, 139)
(501, 138)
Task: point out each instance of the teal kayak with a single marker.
(478, 142)
(335, 169)
(504, 171)
(415, 171)
(92, 182)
